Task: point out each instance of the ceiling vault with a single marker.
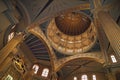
(75, 70)
(60, 39)
(57, 64)
(52, 8)
(96, 56)
(85, 6)
(37, 32)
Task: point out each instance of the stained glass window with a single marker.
(45, 72)
(84, 77)
(94, 77)
(75, 78)
(35, 68)
(113, 59)
(9, 77)
(10, 36)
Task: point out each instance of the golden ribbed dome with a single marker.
(72, 23)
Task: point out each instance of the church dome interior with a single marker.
(72, 23)
(59, 40)
(72, 33)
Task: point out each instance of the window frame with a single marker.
(45, 72)
(113, 58)
(35, 68)
(11, 36)
(84, 77)
(75, 78)
(9, 77)
(94, 77)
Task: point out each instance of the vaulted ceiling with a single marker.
(81, 66)
(38, 47)
(40, 10)
(68, 22)
(72, 23)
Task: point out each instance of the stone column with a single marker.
(111, 29)
(5, 65)
(4, 52)
(102, 39)
(53, 76)
(110, 75)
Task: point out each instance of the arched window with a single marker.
(94, 77)
(113, 59)
(11, 35)
(45, 72)
(9, 77)
(84, 77)
(75, 78)
(35, 68)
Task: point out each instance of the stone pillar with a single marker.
(4, 52)
(53, 76)
(111, 29)
(102, 38)
(110, 75)
(4, 65)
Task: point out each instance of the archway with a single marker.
(81, 66)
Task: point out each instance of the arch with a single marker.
(24, 12)
(20, 7)
(58, 64)
(96, 56)
(37, 32)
